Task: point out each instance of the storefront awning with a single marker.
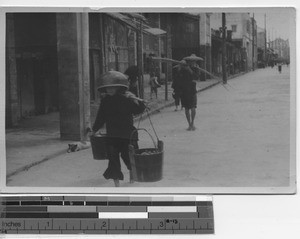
(135, 15)
(137, 22)
(154, 31)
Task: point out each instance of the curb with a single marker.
(27, 167)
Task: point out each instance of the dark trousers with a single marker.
(177, 100)
(176, 96)
(115, 148)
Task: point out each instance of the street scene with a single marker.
(213, 88)
(242, 139)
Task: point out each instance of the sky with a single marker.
(279, 22)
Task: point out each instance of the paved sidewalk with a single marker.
(37, 139)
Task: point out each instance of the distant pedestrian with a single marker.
(133, 75)
(279, 65)
(116, 112)
(154, 84)
(177, 91)
(189, 92)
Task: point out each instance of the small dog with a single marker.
(76, 146)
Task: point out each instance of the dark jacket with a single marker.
(185, 80)
(117, 113)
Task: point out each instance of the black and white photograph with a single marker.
(188, 100)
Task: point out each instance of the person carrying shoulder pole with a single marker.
(188, 92)
(189, 74)
(116, 110)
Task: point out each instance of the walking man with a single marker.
(189, 92)
(176, 85)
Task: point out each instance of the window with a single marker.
(233, 28)
(190, 27)
(248, 26)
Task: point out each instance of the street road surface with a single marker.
(242, 140)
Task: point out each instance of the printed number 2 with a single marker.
(104, 224)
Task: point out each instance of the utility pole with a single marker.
(224, 68)
(265, 55)
(253, 37)
(166, 73)
(140, 64)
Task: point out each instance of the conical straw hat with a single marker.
(114, 78)
(193, 57)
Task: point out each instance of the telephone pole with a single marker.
(253, 43)
(140, 60)
(224, 65)
(265, 52)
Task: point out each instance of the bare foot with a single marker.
(131, 177)
(117, 182)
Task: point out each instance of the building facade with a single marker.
(54, 62)
(261, 48)
(31, 66)
(242, 31)
(205, 42)
(281, 49)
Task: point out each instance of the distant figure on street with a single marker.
(189, 93)
(154, 84)
(116, 111)
(177, 92)
(279, 65)
(133, 75)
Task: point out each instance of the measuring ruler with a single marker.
(106, 215)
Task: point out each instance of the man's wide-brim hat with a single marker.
(193, 57)
(114, 79)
